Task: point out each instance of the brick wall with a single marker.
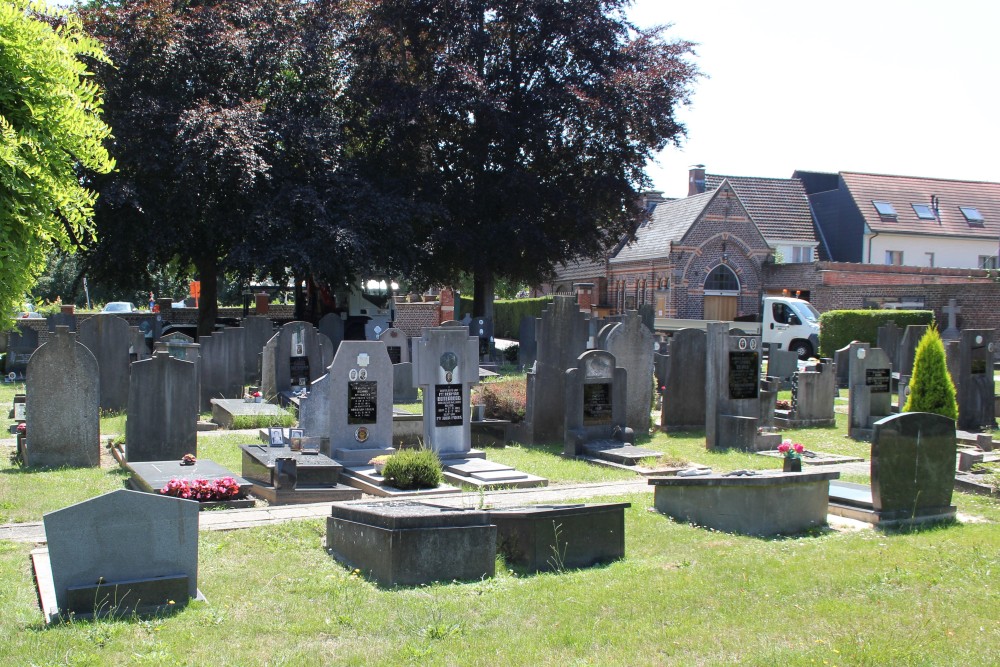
(413, 318)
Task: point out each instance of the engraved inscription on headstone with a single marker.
(877, 380)
(743, 375)
(395, 353)
(362, 402)
(299, 371)
(596, 404)
(447, 405)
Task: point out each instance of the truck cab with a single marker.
(790, 324)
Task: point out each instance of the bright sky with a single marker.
(881, 86)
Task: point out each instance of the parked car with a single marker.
(120, 307)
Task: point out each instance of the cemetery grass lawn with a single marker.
(683, 595)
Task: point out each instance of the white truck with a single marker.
(788, 324)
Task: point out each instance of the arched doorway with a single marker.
(722, 289)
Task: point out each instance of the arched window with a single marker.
(722, 280)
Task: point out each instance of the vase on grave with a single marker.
(792, 464)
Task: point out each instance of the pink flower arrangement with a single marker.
(22, 428)
(202, 490)
(188, 460)
(791, 450)
(256, 394)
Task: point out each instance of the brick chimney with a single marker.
(696, 179)
(584, 296)
(446, 305)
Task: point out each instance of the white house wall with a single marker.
(948, 252)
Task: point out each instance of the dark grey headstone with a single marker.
(120, 538)
(403, 390)
(888, 341)
(138, 347)
(222, 371)
(21, 343)
(397, 345)
(908, 348)
(632, 345)
(107, 336)
(258, 331)
(684, 397)
(974, 380)
(732, 385)
(562, 338)
(162, 410)
(61, 320)
(292, 358)
(596, 401)
(63, 404)
(913, 464)
(527, 346)
(842, 361)
(331, 325)
(782, 364)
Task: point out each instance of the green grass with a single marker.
(682, 596)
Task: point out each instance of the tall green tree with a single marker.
(50, 130)
(931, 387)
(526, 123)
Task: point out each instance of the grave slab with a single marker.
(317, 476)
(483, 474)
(152, 476)
(410, 543)
(224, 410)
(614, 451)
(766, 503)
(582, 535)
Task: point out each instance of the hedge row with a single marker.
(507, 313)
(837, 328)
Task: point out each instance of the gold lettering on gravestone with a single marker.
(744, 379)
(596, 404)
(448, 404)
(362, 402)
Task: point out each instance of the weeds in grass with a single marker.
(439, 628)
(558, 558)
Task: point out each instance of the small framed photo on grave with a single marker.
(295, 437)
(310, 445)
(276, 435)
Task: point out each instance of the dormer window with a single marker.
(924, 211)
(972, 215)
(886, 211)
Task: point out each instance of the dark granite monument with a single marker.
(108, 338)
(162, 410)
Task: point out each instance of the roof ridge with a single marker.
(920, 178)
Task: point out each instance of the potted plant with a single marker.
(793, 455)
(379, 462)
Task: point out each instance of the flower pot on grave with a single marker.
(793, 464)
(379, 467)
(258, 399)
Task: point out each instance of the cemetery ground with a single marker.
(682, 594)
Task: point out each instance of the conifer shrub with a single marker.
(931, 388)
(411, 469)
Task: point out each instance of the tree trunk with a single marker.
(208, 302)
(483, 290)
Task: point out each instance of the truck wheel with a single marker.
(803, 348)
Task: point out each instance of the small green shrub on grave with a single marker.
(411, 469)
(262, 421)
(837, 328)
(931, 388)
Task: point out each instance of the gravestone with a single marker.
(684, 397)
(594, 327)
(842, 361)
(162, 410)
(561, 338)
(351, 405)
(397, 344)
(21, 343)
(782, 365)
(331, 325)
(138, 349)
(117, 553)
(446, 366)
(813, 391)
(258, 331)
(952, 310)
(282, 475)
(482, 328)
(107, 337)
(887, 340)
(61, 320)
(62, 404)
(596, 405)
(631, 343)
(908, 348)
(732, 389)
(403, 390)
(527, 346)
(181, 346)
(912, 473)
(292, 359)
(601, 340)
(647, 315)
(327, 350)
(222, 371)
(974, 380)
(870, 382)
(375, 325)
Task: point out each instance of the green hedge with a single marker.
(507, 313)
(837, 328)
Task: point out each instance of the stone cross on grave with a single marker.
(952, 332)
